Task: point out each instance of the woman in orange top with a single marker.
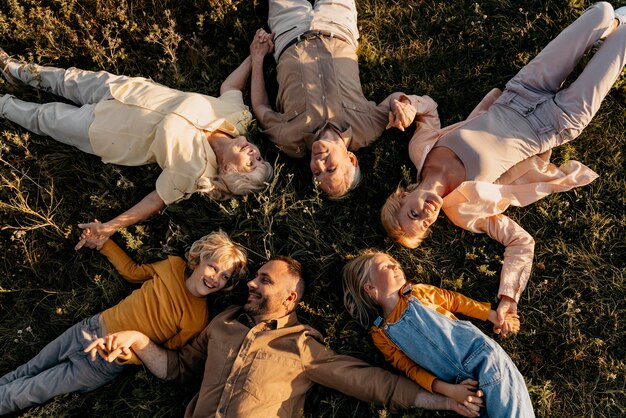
(170, 308)
(418, 334)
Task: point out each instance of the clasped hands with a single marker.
(94, 235)
(262, 44)
(507, 317)
(117, 346)
(402, 113)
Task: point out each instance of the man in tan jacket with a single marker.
(259, 361)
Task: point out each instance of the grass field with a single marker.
(572, 346)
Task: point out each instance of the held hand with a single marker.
(463, 391)
(507, 309)
(97, 347)
(94, 235)
(261, 45)
(470, 406)
(117, 346)
(402, 114)
(511, 325)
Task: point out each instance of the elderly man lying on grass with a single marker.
(320, 107)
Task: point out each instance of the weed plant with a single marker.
(571, 348)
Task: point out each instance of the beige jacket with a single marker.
(265, 370)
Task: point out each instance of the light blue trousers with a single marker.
(61, 367)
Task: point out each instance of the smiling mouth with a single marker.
(430, 206)
(253, 296)
(207, 284)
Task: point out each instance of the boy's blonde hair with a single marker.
(356, 274)
(389, 218)
(219, 247)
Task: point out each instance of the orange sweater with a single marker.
(445, 302)
(163, 308)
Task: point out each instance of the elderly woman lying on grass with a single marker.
(196, 139)
(499, 156)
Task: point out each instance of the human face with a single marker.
(419, 209)
(330, 165)
(386, 278)
(242, 155)
(270, 292)
(208, 277)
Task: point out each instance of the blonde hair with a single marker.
(232, 182)
(219, 247)
(356, 274)
(389, 218)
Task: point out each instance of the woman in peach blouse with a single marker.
(499, 156)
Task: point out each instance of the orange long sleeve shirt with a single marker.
(446, 302)
(163, 308)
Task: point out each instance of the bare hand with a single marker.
(402, 114)
(116, 346)
(463, 391)
(94, 235)
(508, 321)
(262, 44)
(470, 406)
(511, 325)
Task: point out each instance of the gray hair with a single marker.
(232, 182)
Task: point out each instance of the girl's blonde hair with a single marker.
(232, 182)
(218, 246)
(356, 274)
(389, 218)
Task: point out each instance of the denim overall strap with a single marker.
(434, 341)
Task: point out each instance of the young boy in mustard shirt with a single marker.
(170, 308)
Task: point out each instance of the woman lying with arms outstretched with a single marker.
(499, 156)
(196, 139)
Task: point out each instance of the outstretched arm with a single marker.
(509, 322)
(403, 109)
(518, 258)
(95, 233)
(238, 78)
(357, 378)
(261, 46)
(121, 343)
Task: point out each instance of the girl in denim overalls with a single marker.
(419, 331)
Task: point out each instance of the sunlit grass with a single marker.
(571, 348)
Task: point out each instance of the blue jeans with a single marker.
(457, 350)
(61, 367)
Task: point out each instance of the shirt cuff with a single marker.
(109, 248)
(405, 393)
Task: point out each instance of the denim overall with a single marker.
(457, 350)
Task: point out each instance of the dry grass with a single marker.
(572, 345)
